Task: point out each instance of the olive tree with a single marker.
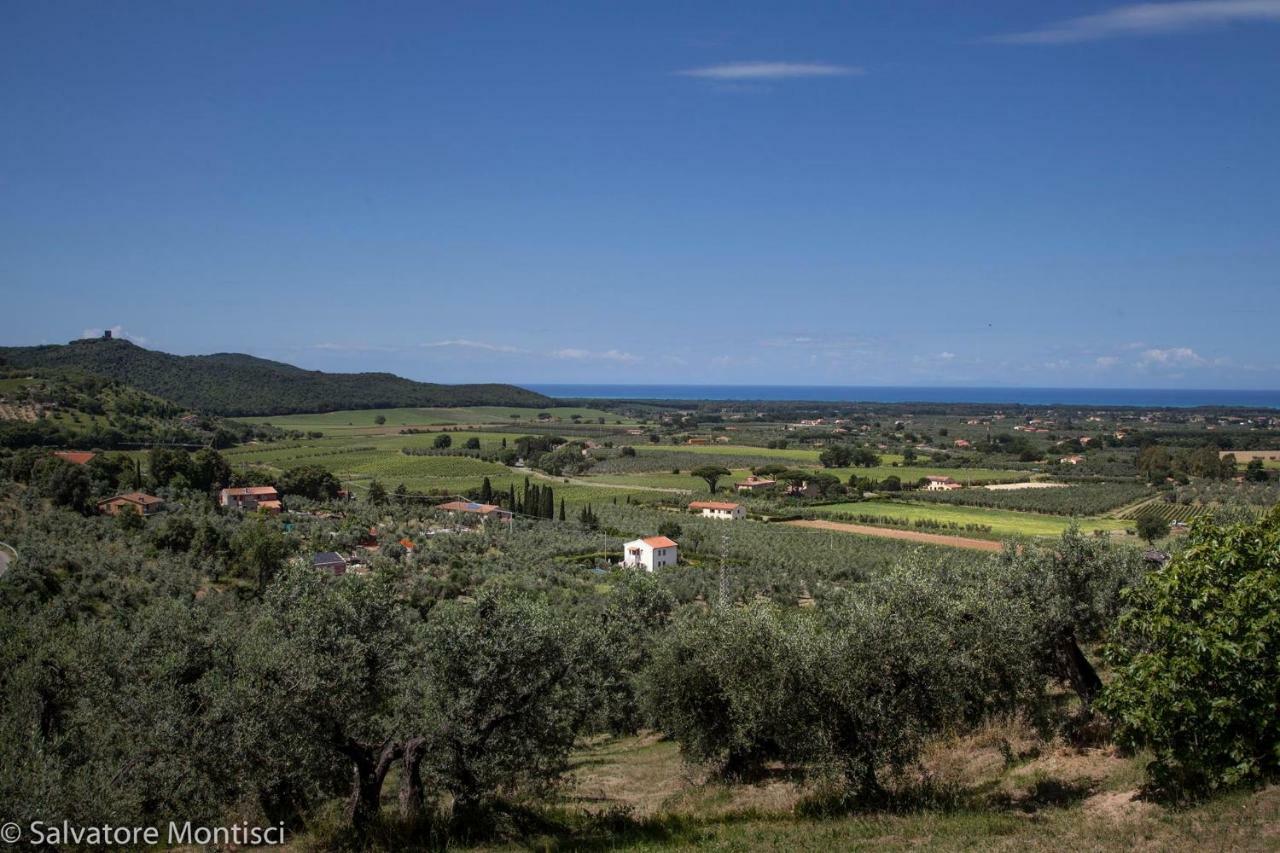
(505, 686)
(324, 665)
(1075, 586)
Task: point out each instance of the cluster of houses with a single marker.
(656, 552)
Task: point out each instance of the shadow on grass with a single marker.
(1045, 794)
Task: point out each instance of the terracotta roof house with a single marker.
(75, 457)
(753, 483)
(485, 511)
(1071, 460)
(142, 503)
(719, 509)
(251, 497)
(651, 553)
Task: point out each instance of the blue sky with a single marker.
(1046, 194)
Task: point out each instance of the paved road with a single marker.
(891, 533)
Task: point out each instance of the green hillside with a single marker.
(237, 384)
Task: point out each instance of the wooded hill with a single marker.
(233, 384)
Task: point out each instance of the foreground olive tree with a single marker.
(851, 689)
(1073, 587)
(316, 691)
(1197, 661)
(506, 690)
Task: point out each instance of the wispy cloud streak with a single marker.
(463, 343)
(746, 71)
(1148, 19)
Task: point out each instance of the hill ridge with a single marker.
(238, 384)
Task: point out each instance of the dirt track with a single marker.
(891, 533)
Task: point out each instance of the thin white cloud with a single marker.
(463, 343)
(1106, 361)
(740, 71)
(1171, 357)
(116, 332)
(817, 342)
(946, 356)
(339, 346)
(590, 355)
(1148, 19)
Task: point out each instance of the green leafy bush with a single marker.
(1198, 662)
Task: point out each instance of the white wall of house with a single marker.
(736, 512)
(640, 554)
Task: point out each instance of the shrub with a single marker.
(1198, 662)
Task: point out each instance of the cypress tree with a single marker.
(486, 491)
(562, 509)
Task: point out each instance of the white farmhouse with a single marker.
(719, 509)
(941, 484)
(651, 553)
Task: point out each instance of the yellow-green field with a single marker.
(360, 459)
(683, 480)
(1002, 522)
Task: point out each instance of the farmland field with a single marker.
(1079, 499)
(1001, 522)
(798, 455)
(366, 418)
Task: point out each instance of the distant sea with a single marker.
(1141, 397)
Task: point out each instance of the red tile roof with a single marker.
(139, 498)
(728, 507)
(659, 542)
(75, 457)
(250, 490)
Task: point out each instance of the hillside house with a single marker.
(719, 509)
(962, 443)
(483, 511)
(754, 484)
(697, 441)
(1075, 459)
(251, 498)
(802, 489)
(329, 561)
(75, 457)
(655, 552)
(139, 502)
(941, 484)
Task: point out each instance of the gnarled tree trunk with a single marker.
(411, 783)
(1075, 667)
(370, 763)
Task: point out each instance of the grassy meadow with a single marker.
(426, 417)
(1002, 522)
(1000, 788)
